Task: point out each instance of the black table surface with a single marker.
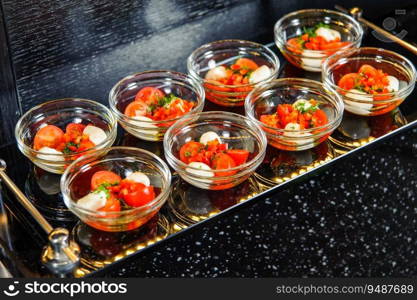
(358, 218)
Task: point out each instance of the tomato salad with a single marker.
(152, 104)
(77, 138)
(210, 154)
(319, 37)
(368, 84)
(235, 78)
(110, 193)
(300, 115)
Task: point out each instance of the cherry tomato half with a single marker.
(240, 156)
(223, 161)
(101, 177)
(137, 194)
(136, 108)
(149, 95)
(48, 136)
(190, 150)
(246, 63)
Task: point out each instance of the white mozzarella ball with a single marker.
(140, 178)
(208, 137)
(203, 169)
(356, 107)
(59, 156)
(149, 128)
(394, 84)
(95, 134)
(302, 102)
(93, 201)
(310, 63)
(216, 73)
(260, 74)
(328, 34)
(302, 138)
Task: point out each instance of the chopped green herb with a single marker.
(67, 149)
(104, 188)
(187, 153)
(311, 31)
(306, 107)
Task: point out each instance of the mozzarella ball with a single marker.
(204, 170)
(95, 134)
(310, 63)
(216, 73)
(356, 107)
(302, 138)
(149, 128)
(140, 178)
(59, 156)
(208, 137)
(302, 102)
(328, 34)
(260, 74)
(93, 201)
(394, 84)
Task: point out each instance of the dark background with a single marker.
(54, 49)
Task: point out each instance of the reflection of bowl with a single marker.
(60, 113)
(224, 52)
(237, 131)
(124, 92)
(293, 24)
(75, 183)
(266, 98)
(358, 102)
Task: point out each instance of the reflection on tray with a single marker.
(189, 204)
(356, 131)
(43, 189)
(279, 165)
(101, 248)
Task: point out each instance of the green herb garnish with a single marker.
(104, 188)
(67, 149)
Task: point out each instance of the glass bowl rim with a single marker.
(196, 85)
(356, 24)
(333, 86)
(109, 137)
(338, 105)
(193, 73)
(71, 204)
(219, 114)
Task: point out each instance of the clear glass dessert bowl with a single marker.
(75, 184)
(295, 24)
(60, 113)
(169, 82)
(211, 62)
(267, 98)
(397, 67)
(237, 131)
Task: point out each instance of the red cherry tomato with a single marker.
(112, 204)
(348, 81)
(48, 136)
(223, 161)
(101, 177)
(368, 70)
(75, 129)
(149, 95)
(246, 63)
(137, 194)
(190, 150)
(136, 108)
(319, 118)
(239, 156)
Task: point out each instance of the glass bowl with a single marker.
(75, 183)
(390, 62)
(60, 113)
(223, 52)
(236, 130)
(266, 98)
(124, 92)
(293, 25)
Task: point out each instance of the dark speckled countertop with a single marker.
(358, 218)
